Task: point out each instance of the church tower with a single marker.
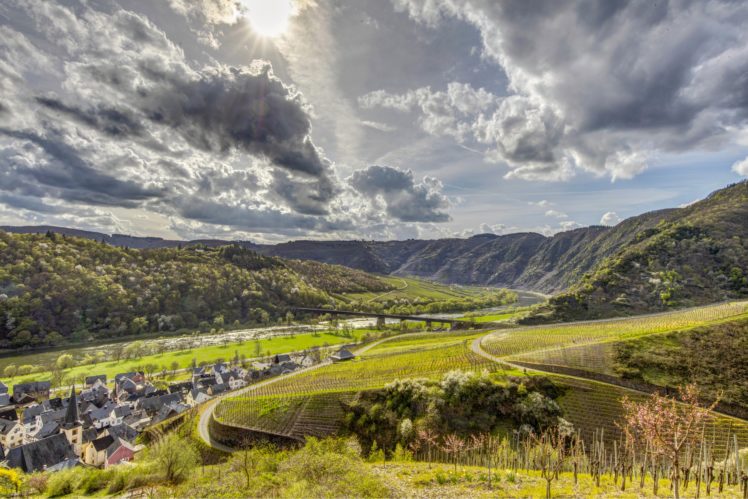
(71, 425)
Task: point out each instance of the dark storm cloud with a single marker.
(111, 121)
(73, 178)
(404, 199)
(605, 85)
(225, 108)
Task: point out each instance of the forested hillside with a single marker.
(55, 288)
(691, 256)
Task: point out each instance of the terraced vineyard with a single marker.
(295, 417)
(547, 338)
(376, 370)
(310, 403)
(419, 341)
(592, 406)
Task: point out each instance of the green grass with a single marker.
(497, 317)
(410, 288)
(279, 344)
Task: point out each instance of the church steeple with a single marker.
(72, 416)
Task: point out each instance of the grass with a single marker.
(271, 346)
(411, 288)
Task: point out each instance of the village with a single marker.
(99, 425)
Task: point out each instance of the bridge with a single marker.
(453, 323)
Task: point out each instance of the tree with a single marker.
(25, 369)
(10, 370)
(10, 482)
(174, 456)
(174, 367)
(453, 445)
(64, 361)
(668, 425)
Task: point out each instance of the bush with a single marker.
(174, 456)
(64, 482)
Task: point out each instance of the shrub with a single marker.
(64, 482)
(174, 456)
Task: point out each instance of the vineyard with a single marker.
(548, 338)
(310, 403)
(292, 416)
(595, 407)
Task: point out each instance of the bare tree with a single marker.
(669, 425)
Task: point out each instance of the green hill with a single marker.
(55, 289)
(679, 258)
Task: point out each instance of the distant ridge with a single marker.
(531, 261)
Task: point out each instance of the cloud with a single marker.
(556, 214)
(543, 203)
(741, 167)
(113, 113)
(610, 218)
(604, 89)
(404, 199)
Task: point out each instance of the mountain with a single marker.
(691, 256)
(661, 259)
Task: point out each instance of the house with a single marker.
(342, 355)
(92, 380)
(29, 417)
(108, 415)
(107, 451)
(281, 357)
(12, 433)
(151, 405)
(196, 396)
(233, 379)
(220, 368)
(51, 454)
(169, 411)
(123, 431)
(35, 390)
(4, 395)
(218, 389)
(136, 377)
(307, 361)
(183, 387)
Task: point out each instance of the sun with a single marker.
(268, 18)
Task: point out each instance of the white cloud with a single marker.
(741, 167)
(556, 214)
(610, 218)
(633, 79)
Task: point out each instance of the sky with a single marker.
(274, 120)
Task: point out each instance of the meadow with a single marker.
(208, 354)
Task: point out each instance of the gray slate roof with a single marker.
(45, 453)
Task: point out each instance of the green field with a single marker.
(410, 288)
(269, 346)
